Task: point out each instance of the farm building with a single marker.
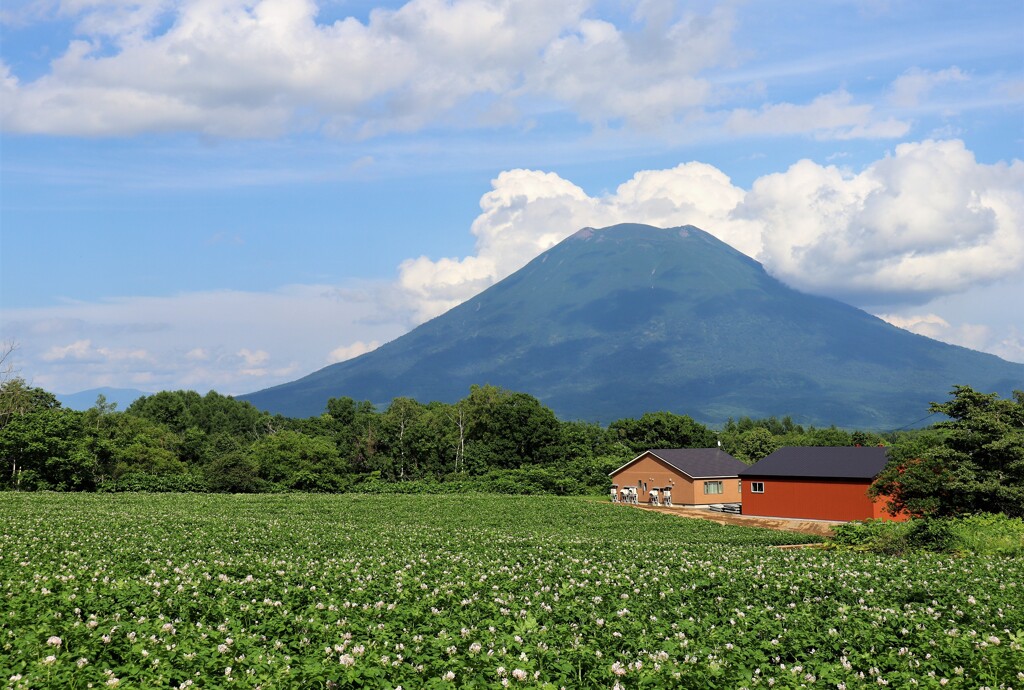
(815, 483)
(693, 476)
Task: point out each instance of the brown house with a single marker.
(694, 476)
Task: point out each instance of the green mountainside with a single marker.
(616, 322)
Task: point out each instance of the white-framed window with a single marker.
(739, 486)
(713, 487)
(757, 487)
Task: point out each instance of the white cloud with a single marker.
(253, 358)
(915, 84)
(924, 221)
(647, 78)
(829, 116)
(346, 352)
(1006, 343)
(83, 351)
(238, 68)
(974, 336)
(1009, 346)
(263, 68)
(76, 350)
(201, 341)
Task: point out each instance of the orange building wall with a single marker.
(685, 491)
(880, 512)
(812, 499)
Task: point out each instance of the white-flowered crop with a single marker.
(279, 591)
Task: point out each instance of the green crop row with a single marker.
(312, 591)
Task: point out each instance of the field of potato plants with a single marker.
(307, 591)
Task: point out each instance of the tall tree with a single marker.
(45, 449)
(507, 430)
(662, 430)
(978, 467)
(755, 444)
(296, 461)
(400, 427)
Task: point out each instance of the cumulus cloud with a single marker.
(924, 221)
(260, 68)
(646, 78)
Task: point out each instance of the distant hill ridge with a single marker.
(83, 400)
(615, 322)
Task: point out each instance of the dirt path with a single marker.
(821, 528)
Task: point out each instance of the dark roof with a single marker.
(846, 462)
(695, 462)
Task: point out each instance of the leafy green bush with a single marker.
(878, 536)
(983, 534)
(932, 535)
(995, 535)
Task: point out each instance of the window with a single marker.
(739, 486)
(712, 487)
(757, 487)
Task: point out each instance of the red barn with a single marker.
(815, 483)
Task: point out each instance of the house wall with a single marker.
(880, 512)
(648, 473)
(812, 499)
(655, 474)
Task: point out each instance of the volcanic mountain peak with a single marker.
(619, 321)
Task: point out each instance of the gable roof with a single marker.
(695, 463)
(821, 462)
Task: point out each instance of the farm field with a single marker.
(313, 591)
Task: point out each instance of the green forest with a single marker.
(492, 440)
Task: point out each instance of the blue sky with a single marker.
(229, 195)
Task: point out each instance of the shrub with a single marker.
(982, 534)
(879, 536)
(995, 535)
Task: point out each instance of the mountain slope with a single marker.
(83, 400)
(616, 322)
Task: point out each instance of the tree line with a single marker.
(492, 440)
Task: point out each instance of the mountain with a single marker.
(83, 400)
(616, 322)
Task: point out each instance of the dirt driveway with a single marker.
(821, 528)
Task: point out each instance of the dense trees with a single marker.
(180, 440)
(492, 440)
(975, 464)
